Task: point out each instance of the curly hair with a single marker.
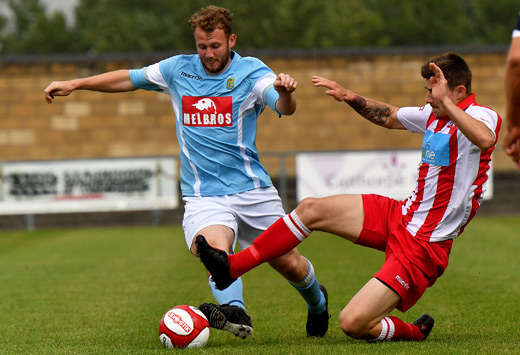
(211, 18)
(455, 70)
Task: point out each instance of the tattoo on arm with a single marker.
(374, 112)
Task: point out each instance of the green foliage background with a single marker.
(161, 25)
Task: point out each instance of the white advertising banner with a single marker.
(95, 185)
(387, 173)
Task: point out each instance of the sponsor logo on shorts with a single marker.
(402, 282)
(207, 111)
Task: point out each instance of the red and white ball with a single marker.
(184, 327)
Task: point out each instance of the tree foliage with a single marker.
(31, 30)
(158, 25)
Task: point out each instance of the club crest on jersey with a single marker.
(207, 111)
(230, 83)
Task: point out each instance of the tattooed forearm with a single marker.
(373, 111)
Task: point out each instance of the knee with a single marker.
(307, 205)
(353, 326)
(309, 211)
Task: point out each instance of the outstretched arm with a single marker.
(285, 86)
(114, 81)
(379, 113)
(511, 142)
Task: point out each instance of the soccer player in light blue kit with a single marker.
(217, 96)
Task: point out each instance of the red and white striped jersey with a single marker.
(453, 173)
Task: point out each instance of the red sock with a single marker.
(396, 329)
(280, 238)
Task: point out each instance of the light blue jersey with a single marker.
(216, 118)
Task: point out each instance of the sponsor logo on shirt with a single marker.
(207, 111)
(436, 148)
(191, 76)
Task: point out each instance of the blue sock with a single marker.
(309, 289)
(232, 295)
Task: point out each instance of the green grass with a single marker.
(103, 291)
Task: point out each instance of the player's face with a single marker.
(214, 49)
(437, 110)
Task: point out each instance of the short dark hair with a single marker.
(211, 18)
(455, 70)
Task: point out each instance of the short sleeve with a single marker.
(414, 119)
(148, 78)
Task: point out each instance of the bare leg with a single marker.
(361, 317)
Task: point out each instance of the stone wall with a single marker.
(140, 123)
(98, 125)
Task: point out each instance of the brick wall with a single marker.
(93, 125)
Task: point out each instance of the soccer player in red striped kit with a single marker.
(417, 233)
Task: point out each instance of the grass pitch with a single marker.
(103, 291)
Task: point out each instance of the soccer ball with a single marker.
(184, 327)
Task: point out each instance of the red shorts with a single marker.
(411, 265)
